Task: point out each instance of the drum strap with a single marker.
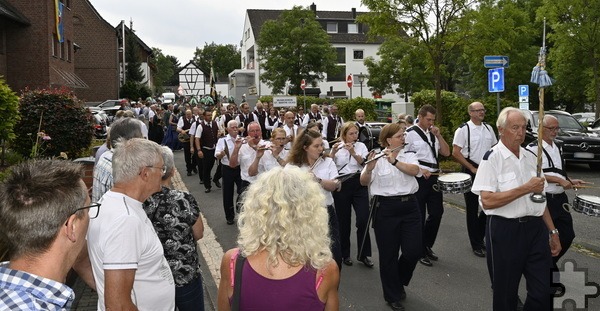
(431, 146)
(469, 140)
(552, 168)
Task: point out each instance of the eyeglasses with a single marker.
(94, 210)
(478, 110)
(553, 129)
(163, 168)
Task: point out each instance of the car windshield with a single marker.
(566, 122)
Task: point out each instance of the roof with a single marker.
(96, 13)
(258, 17)
(139, 41)
(10, 12)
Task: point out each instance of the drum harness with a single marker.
(554, 169)
(419, 131)
(468, 158)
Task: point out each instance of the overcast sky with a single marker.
(177, 27)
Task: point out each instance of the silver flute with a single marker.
(381, 155)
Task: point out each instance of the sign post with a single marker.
(495, 61)
(496, 84)
(524, 96)
(303, 87)
(349, 82)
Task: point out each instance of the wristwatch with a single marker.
(395, 162)
(554, 231)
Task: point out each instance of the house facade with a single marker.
(347, 36)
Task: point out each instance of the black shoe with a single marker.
(207, 190)
(195, 171)
(425, 261)
(396, 306)
(430, 254)
(189, 173)
(479, 253)
(217, 183)
(230, 222)
(402, 294)
(366, 261)
(347, 261)
(519, 304)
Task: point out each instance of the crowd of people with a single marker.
(298, 177)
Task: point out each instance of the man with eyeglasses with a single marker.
(471, 141)
(556, 175)
(127, 257)
(44, 207)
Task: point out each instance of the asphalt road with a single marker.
(458, 281)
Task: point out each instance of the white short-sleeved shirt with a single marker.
(422, 148)
(346, 163)
(221, 147)
(554, 153)
(482, 139)
(325, 169)
(499, 171)
(387, 180)
(246, 156)
(268, 162)
(293, 131)
(122, 237)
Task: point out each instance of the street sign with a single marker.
(349, 81)
(496, 80)
(523, 99)
(303, 84)
(495, 61)
(284, 101)
(524, 90)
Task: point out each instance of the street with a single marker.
(458, 281)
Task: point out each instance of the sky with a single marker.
(177, 27)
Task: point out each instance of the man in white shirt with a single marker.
(471, 141)
(332, 124)
(291, 129)
(127, 258)
(244, 154)
(230, 173)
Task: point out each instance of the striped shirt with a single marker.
(23, 291)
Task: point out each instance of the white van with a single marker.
(168, 98)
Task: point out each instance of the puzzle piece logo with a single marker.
(576, 289)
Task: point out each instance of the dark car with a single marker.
(578, 144)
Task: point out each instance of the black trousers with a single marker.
(431, 205)
(475, 218)
(190, 162)
(231, 179)
(219, 171)
(353, 195)
(334, 234)
(207, 165)
(397, 227)
(198, 163)
(562, 221)
(516, 249)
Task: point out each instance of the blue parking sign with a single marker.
(496, 80)
(523, 90)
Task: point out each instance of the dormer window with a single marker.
(332, 27)
(352, 28)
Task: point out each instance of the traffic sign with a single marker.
(303, 84)
(349, 81)
(496, 80)
(523, 99)
(524, 90)
(495, 61)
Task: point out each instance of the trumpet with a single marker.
(381, 155)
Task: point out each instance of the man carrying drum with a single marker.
(552, 166)
(471, 141)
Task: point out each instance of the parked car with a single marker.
(579, 115)
(100, 129)
(100, 112)
(110, 103)
(595, 127)
(578, 144)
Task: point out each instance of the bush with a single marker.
(134, 90)
(63, 118)
(347, 108)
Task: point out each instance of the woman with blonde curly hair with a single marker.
(284, 244)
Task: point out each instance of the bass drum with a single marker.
(369, 135)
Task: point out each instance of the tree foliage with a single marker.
(63, 118)
(176, 67)
(9, 111)
(132, 55)
(224, 58)
(164, 69)
(294, 47)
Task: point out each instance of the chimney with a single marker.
(313, 7)
(354, 13)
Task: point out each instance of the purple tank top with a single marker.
(297, 292)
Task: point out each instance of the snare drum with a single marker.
(453, 183)
(587, 204)
(369, 135)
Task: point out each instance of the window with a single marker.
(352, 28)
(62, 50)
(54, 45)
(332, 27)
(69, 47)
(338, 75)
(341, 55)
(358, 54)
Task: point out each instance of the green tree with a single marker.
(223, 57)
(401, 65)
(132, 55)
(9, 115)
(575, 60)
(176, 67)
(433, 23)
(164, 69)
(294, 47)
